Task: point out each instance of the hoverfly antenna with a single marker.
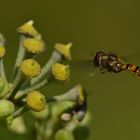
(92, 55)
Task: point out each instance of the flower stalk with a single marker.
(56, 57)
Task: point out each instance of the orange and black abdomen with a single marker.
(132, 68)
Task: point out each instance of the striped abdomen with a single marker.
(132, 68)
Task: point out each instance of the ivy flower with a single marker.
(30, 67)
(33, 45)
(28, 28)
(60, 71)
(36, 101)
(6, 108)
(64, 50)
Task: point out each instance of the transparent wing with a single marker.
(84, 67)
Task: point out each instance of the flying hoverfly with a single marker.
(108, 62)
(113, 63)
(105, 62)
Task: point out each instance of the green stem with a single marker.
(23, 92)
(14, 84)
(50, 127)
(72, 124)
(20, 111)
(20, 57)
(71, 95)
(56, 57)
(17, 74)
(2, 70)
(40, 130)
(16, 114)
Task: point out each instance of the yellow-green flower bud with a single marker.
(64, 134)
(64, 50)
(60, 72)
(86, 120)
(42, 114)
(36, 101)
(4, 87)
(18, 126)
(30, 67)
(28, 28)
(58, 108)
(2, 51)
(33, 45)
(6, 108)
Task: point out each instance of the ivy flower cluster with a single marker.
(22, 93)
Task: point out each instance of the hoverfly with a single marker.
(108, 62)
(113, 63)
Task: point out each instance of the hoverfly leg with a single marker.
(92, 72)
(103, 71)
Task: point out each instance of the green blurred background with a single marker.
(91, 25)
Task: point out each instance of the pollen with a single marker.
(33, 45)
(64, 50)
(2, 51)
(28, 28)
(60, 71)
(36, 101)
(30, 68)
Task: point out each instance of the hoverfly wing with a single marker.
(84, 66)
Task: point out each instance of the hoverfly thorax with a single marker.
(109, 61)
